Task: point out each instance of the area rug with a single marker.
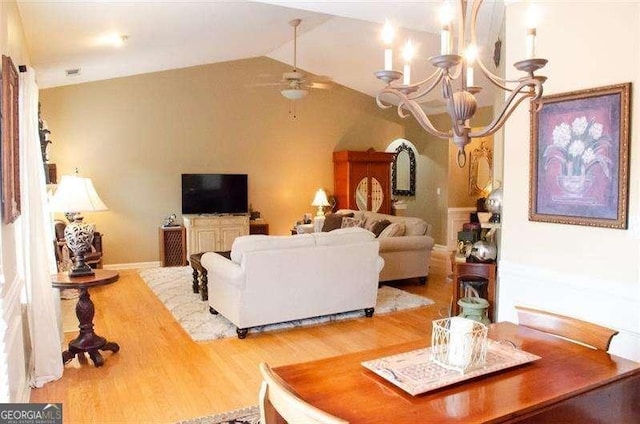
(249, 415)
(173, 287)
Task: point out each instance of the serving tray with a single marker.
(415, 372)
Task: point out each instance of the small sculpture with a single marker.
(170, 221)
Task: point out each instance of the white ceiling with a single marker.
(338, 39)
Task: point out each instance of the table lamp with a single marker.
(74, 195)
(320, 200)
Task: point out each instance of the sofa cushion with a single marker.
(376, 226)
(343, 236)
(333, 221)
(395, 229)
(256, 242)
(348, 222)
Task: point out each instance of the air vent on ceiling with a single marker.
(72, 72)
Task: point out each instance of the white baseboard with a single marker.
(135, 265)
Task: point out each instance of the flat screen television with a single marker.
(214, 194)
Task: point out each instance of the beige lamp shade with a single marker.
(320, 200)
(76, 194)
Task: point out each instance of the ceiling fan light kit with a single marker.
(294, 93)
(458, 66)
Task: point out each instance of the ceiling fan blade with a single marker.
(265, 84)
(320, 85)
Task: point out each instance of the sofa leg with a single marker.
(213, 311)
(369, 312)
(242, 332)
(423, 281)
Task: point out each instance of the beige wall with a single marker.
(134, 136)
(592, 273)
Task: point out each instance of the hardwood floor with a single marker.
(160, 375)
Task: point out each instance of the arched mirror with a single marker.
(403, 171)
(480, 171)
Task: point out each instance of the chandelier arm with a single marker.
(379, 102)
(426, 90)
(422, 118)
(508, 109)
(437, 73)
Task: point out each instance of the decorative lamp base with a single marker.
(80, 269)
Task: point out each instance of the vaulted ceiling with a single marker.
(337, 39)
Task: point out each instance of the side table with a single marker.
(487, 271)
(87, 341)
(200, 279)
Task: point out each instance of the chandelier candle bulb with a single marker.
(387, 39)
(470, 75)
(445, 39)
(531, 43)
(407, 54)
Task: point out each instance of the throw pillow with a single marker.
(348, 222)
(393, 230)
(333, 221)
(378, 226)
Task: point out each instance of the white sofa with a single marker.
(407, 255)
(272, 279)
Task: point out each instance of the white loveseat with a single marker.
(272, 279)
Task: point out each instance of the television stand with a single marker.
(213, 233)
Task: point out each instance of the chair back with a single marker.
(276, 396)
(583, 332)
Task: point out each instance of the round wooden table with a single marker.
(87, 341)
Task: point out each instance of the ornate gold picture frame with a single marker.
(579, 158)
(10, 142)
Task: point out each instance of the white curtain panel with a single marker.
(36, 243)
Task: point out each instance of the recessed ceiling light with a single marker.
(72, 72)
(113, 39)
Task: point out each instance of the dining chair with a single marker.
(576, 330)
(276, 395)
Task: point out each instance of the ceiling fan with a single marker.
(296, 82)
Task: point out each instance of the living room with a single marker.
(134, 136)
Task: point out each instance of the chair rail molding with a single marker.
(610, 303)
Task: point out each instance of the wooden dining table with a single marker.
(570, 383)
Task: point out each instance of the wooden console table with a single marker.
(87, 341)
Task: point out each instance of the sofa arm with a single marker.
(394, 244)
(222, 269)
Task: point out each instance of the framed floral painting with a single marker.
(579, 159)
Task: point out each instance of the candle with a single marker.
(445, 40)
(459, 352)
(387, 39)
(469, 75)
(471, 53)
(532, 17)
(531, 43)
(445, 34)
(407, 54)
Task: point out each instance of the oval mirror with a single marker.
(403, 171)
(361, 194)
(480, 172)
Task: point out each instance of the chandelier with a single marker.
(458, 65)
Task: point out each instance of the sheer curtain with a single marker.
(36, 243)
